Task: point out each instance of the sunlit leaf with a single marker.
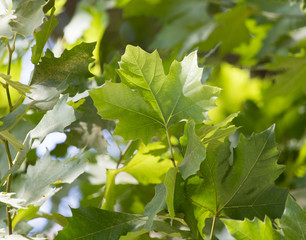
(14, 202)
(37, 187)
(29, 15)
(158, 100)
(255, 229)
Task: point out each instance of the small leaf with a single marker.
(157, 204)
(12, 140)
(293, 221)
(195, 153)
(42, 37)
(14, 202)
(169, 183)
(255, 229)
(94, 223)
(21, 88)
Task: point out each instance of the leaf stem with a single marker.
(212, 228)
(170, 147)
(11, 49)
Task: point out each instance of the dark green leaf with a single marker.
(42, 37)
(293, 221)
(93, 223)
(243, 189)
(195, 153)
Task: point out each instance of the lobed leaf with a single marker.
(242, 189)
(148, 100)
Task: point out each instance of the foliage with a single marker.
(188, 119)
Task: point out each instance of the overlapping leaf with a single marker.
(37, 187)
(243, 189)
(293, 222)
(147, 100)
(255, 229)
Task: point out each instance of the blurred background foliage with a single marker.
(255, 50)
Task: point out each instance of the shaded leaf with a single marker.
(195, 153)
(148, 100)
(157, 204)
(42, 36)
(12, 140)
(94, 223)
(243, 189)
(169, 182)
(293, 221)
(255, 229)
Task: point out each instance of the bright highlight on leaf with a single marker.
(147, 100)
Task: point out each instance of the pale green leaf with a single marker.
(195, 153)
(39, 178)
(293, 221)
(241, 189)
(252, 230)
(12, 140)
(14, 202)
(54, 120)
(148, 100)
(29, 15)
(20, 87)
(42, 36)
(5, 28)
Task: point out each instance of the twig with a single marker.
(170, 147)
(122, 154)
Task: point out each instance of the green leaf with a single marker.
(226, 30)
(64, 115)
(42, 37)
(169, 182)
(72, 64)
(157, 204)
(21, 88)
(241, 189)
(29, 15)
(195, 153)
(5, 19)
(147, 166)
(293, 221)
(213, 136)
(253, 230)
(39, 178)
(14, 202)
(148, 100)
(94, 223)
(12, 118)
(12, 140)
